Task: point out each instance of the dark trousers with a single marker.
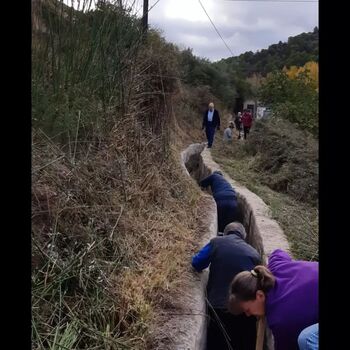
(240, 331)
(210, 131)
(239, 129)
(227, 212)
(246, 131)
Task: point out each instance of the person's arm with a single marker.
(201, 260)
(207, 181)
(218, 126)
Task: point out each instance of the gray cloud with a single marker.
(245, 26)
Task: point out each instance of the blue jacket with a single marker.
(214, 123)
(227, 256)
(220, 187)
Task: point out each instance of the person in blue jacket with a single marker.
(211, 121)
(225, 198)
(227, 256)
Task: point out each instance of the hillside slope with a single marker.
(296, 51)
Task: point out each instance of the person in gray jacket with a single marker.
(228, 133)
(227, 255)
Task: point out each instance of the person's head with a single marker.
(237, 228)
(248, 291)
(218, 172)
(211, 106)
(230, 125)
(239, 114)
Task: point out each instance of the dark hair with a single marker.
(245, 285)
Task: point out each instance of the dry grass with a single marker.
(113, 226)
(109, 245)
(288, 158)
(113, 216)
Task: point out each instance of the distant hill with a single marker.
(296, 52)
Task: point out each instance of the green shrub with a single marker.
(292, 99)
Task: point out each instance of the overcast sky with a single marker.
(244, 25)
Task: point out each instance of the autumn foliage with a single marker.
(293, 95)
(310, 69)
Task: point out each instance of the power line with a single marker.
(149, 9)
(153, 5)
(216, 28)
(137, 12)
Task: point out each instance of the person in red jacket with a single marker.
(247, 121)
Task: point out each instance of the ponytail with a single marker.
(245, 285)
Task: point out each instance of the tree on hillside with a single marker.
(296, 52)
(310, 69)
(223, 78)
(255, 81)
(292, 99)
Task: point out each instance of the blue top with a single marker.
(210, 115)
(292, 304)
(227, 256)
(220, 187)
(213, 122)
(202, 259)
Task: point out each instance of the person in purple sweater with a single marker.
(287, 294)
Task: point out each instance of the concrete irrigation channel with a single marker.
(187, 331)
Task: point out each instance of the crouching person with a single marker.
(227, 256)
(225, 198)
(228, 133)
(287, 294)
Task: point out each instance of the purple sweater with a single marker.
(292, 304)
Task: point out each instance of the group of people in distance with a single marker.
(211, 123)
(241, 289)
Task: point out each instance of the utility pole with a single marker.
(145, 17)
